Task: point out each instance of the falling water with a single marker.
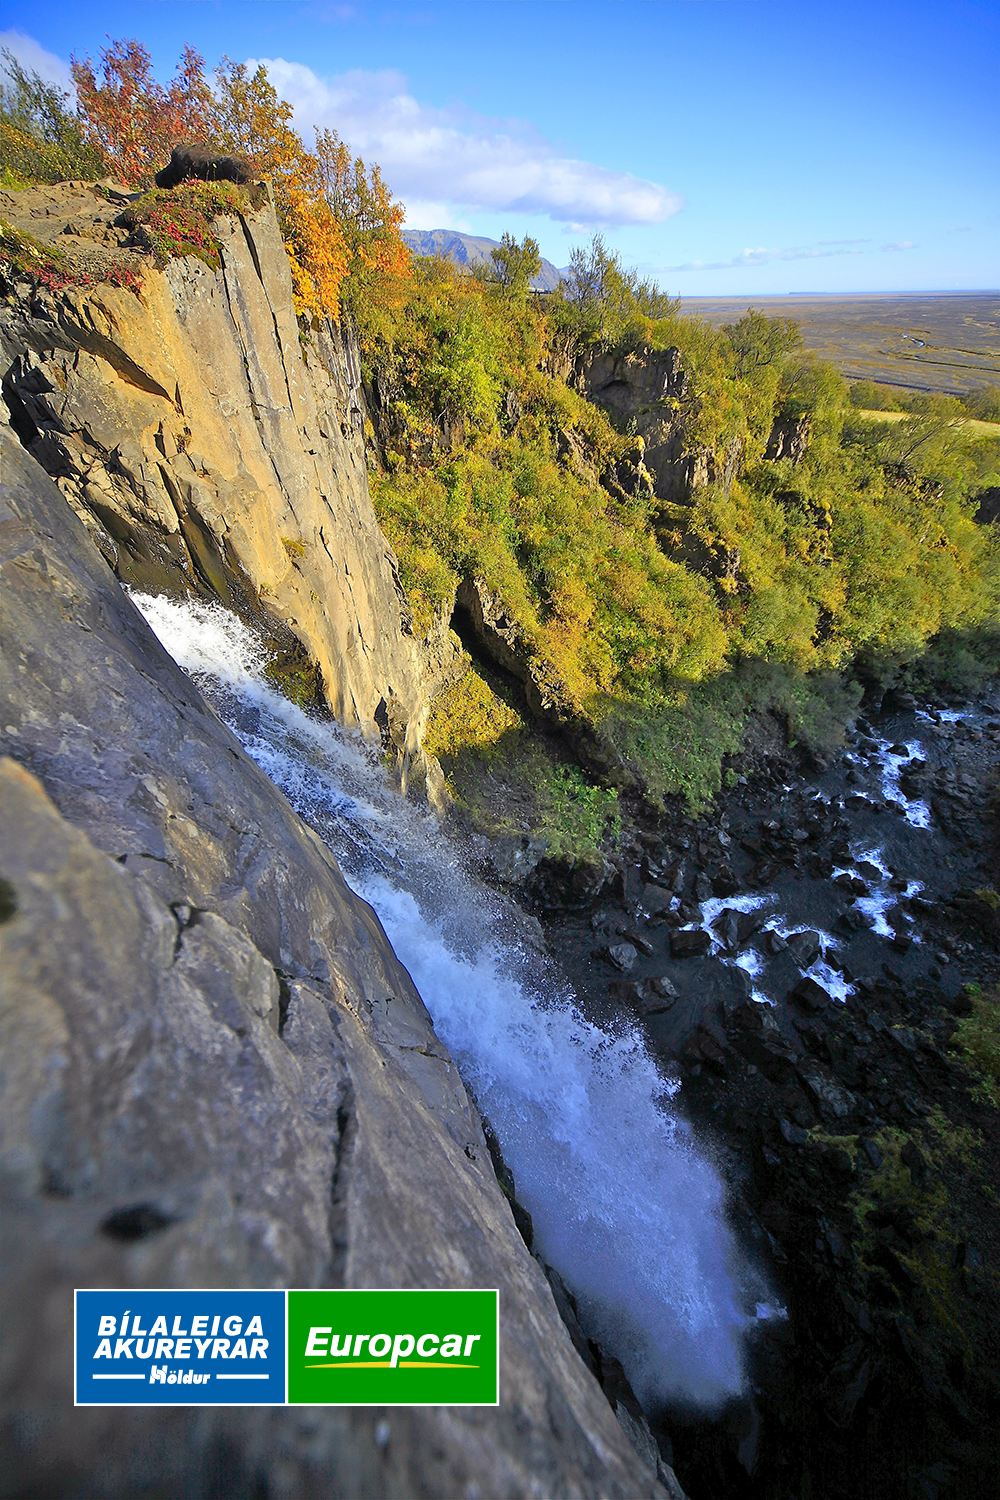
(624, 1205)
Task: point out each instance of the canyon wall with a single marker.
(210, 446)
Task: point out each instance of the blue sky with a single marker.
(725, 147)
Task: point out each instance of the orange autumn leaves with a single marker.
(340, 223)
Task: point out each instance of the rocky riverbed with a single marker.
(800, 961)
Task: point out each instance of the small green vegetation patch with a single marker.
(907, 1214)
(296, 677)
(977, 1037)
(177, 222)
(578, 818)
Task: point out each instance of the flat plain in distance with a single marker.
(927, 341)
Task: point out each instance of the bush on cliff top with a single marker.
(40, 140)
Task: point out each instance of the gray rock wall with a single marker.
(206, 446)
(217, 1073)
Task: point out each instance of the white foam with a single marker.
(711, 908)
(916, 811)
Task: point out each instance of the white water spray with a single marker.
(624, 1205)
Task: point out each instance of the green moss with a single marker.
(469, 716)
(846, 1143)
(977, 1040)
(296, 677)
(935, 1222)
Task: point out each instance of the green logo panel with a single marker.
(393, 1348)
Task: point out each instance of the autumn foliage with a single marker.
(132, 120)
(340, 224)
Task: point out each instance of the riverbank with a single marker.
(861, 1160)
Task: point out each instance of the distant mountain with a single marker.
(471, 250)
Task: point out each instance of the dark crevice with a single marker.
(284, 999)
(24, 428)
(347, 1126)
(137, 1222)
(504, 683)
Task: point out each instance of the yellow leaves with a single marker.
(469, 715)
(318, 252)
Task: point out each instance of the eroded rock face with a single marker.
(647, 389)
(207, 448)
(219, 1074)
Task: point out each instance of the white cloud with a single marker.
(34, 59)
(763, 255)
(433, 156)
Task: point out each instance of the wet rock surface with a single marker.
(814, 939)
(218, 1073)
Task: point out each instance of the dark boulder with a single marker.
(747, 924)
(727, 926)
(690, 943)
(805, 948)
(204, 164)
(810, 994)
(725, 884)
(655, 899)
(623, 956)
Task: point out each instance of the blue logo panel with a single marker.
(170, 1348)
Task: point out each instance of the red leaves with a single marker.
(132, 119)
(339, 221)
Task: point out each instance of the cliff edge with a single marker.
(205, 441)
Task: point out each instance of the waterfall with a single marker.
(625, 1206)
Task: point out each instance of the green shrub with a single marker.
(667, 625)
(984, 404)
(977, 1038)
(578, 819)
(870, 396)
(40, 139)
(469, 716)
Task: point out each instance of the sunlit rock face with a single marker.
(208, 446)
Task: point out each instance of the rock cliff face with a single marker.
(207, 448)
(219, 1074)
(647, 388)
